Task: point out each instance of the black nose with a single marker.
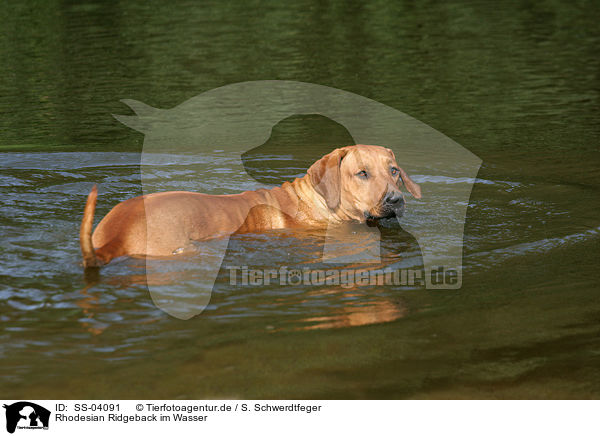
(393, 198)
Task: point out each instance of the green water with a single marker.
(516, 84)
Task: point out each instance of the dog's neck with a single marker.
(306, 203)
(298, 203)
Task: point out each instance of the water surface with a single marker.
(518, 86)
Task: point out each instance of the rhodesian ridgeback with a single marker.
(354, 183)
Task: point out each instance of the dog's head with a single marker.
(362, 182)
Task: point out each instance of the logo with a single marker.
(225, 122)
(26, 415)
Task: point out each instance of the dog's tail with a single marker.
(85, 233)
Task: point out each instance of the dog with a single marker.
(354, 183)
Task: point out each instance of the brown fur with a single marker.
(166, 223)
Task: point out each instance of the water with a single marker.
(517, 86)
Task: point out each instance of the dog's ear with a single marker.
(325, 176)
(411, 186)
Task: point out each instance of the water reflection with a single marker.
(90, 304)
(303, 303)
(354, 314)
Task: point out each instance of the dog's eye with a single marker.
(394, 171)
(363, 174)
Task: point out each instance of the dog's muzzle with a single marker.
(394, 200)
(392, 206)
